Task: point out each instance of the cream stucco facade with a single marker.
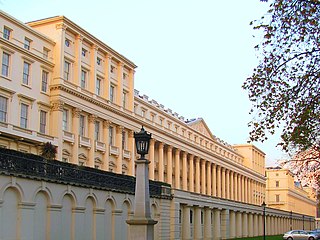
(63, 85)
(284, 193)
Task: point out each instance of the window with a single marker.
(3, 109)
(111, 93)
(277, 183)
(124, 140)
(46, 53)
(6, 33)
(112, 69)
(277, 198)
(65, 120)
(66, 70)
(111, 135)
(44, 83)
(81, 125)
(143, 113)
(27, 43)
(84, 52)
(124, 99)
(99, 61)
(43, 121)
(26, 73)
(98, 86)
(97, 131)
(83, 79)
(5, 64)
(67, 42)
(124, 76)
(24, 115)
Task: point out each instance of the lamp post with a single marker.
(142, 225)
(264, 220)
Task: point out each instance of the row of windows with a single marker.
(26, 72)
(97, 129)
(7, 34)
(24, 115)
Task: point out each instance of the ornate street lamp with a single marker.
(264, 220)
(142, 225)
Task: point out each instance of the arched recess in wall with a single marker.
(89, 219)
(67, 217)
(9, 227)
(155, 215)
(124, 217)
(109, 222)
(41, 226)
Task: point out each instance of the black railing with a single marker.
(33, 166)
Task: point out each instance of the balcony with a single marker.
(84, 141)
(126, 154)
(68, 137)
(100, 146)
(114, 150)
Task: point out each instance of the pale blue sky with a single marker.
(192, 55)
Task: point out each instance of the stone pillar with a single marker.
(209, 179)
(177, 169)
(242, 189)
(239, 188)
(236, 188)
(191, 174)
(250, 225)
(186, 227)
(197, 175)
(203, 176)
(207, 224)
(119, 89)
(232, 224)
(256, 225)
(131, 147)
(75, 130)
(93, 69)
(227, 184)
(214, 180)
(161, 165)
(151, 158)
(184, 172)
(239, 224)
(170, 167)
(119, 130)
(232, 185)
(59, 55)
(105, 156)
(217, 227)
(219, 181)
(197, 223)
(77, 63)
(244, 224)
(92, 119)
(225, 224)
(223, 183)
(56, 118)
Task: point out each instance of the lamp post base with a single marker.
(142, 228)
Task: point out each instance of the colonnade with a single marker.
(188, 172)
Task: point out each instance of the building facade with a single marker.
(62, 85)
(284, 193)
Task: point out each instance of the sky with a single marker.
(192, 55)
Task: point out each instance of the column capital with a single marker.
(92, 118)
(57, 105)
(197, 159)
(79, 37)
(131, 134)
(76, 112)
(177, 151)
(119, 129)
(106, 123)
(169, 148)
(61, 26)
(161, 145)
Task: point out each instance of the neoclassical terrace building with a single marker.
(60, 84)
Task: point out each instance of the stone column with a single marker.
(256, 225)
(119, 130)
(242, 189)
(239, 224)
(197, 223)
(186, 227)
(105, 156)
(77, 63)
(59, 55)
(151, 158)
(197, 175)
(232, 185)
(170, 167)
(119, 89)
(203, 176)
(207, 224)
(177, 169)
(131, 147)
(191, 174)
(228, 184)
(244, 224)
(93, 69)
(92, 119)
(223, 183)
(209, 179)
(236, 188)
(232, 224)
(161, 165)
(217, 227)
(184, 172)
(250, 225)
(214, 180)
(225, 224)
(56, 119)
(75, 130)
(239, 188)
(219, 181)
